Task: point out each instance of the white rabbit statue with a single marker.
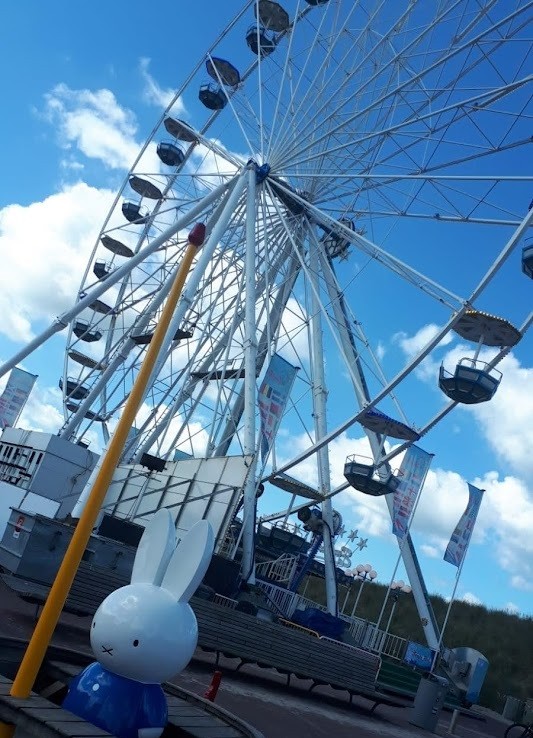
(144, 633)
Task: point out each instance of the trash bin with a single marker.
(429, 701)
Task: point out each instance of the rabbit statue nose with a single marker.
(107, 649)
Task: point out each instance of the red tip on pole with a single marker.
(197, 235)
(212, 690)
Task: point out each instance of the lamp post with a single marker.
(396, 590)
(365, 573)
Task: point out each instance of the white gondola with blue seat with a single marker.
(86, 332)
(259, 40)
(362, 474)
(212, 96)
(170, 154)
(134, 212)
(475, 381)
(471, 382)
(75, 390)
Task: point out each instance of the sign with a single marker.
(17, 390)
(418, 655)
(456, 549)
(413, 470)
(272, 399)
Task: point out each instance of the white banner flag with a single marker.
(412, 474)
(457, 547)
(18, 389)
(272, 398)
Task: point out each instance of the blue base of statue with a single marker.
(116, 704)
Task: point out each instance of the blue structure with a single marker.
(312, 521)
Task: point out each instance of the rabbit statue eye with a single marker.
(136, 643)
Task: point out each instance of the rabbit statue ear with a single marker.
(189, 561)
(155, 549)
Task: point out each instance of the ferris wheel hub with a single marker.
(261, 172)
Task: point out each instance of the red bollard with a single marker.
(212, 690)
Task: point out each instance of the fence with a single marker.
(364, 633)
(280, 570)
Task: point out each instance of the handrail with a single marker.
(364, 632)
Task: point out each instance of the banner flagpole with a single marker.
(457, 549)
(401, 540)
(448, 610)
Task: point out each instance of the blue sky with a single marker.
(56, 188)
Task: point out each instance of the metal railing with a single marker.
(282, 598)
(388, 644)
(279, 570)
(225, 601)
(364, 633)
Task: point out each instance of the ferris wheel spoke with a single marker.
(208, 363)
(291, 113)
(365, 84)
(333, 88)
(478, 102)
(446, 56)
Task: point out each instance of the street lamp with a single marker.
(396, 590)
(365, 573)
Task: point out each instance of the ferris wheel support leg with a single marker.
(53, 606)
(63, 320)
(270, 329)
(320, 394)
(250, 389)
(407, 550)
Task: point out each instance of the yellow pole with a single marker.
(33, 658)
(7, 731)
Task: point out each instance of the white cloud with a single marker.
(412, 345)
(432, 552)
(506, 421)
(518, 581)
(504, 522)
(511, 608)
(471, 599)
(156, 95)
(293, 342)
(95, 123)
(44, 248)
(381, 350)
(42, 411)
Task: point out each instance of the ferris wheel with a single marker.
(382, 138)
(356, 165)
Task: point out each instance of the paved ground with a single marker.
(260, 696)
